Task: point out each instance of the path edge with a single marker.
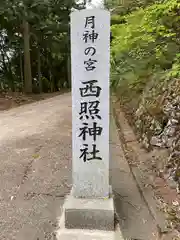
(137, 175)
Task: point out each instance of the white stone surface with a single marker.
(96, 204)
(85, 235)
(90, 178)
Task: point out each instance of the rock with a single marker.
(169, 142)
(155, 141)
(139, 111)
(169, 131)
(161, 128)
(178, 113)
(175, 154)
(145, 141)
(175, 203)
(138, 124)
(172, 184)
(174, 121)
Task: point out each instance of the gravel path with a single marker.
(35, 167)
(35, 174)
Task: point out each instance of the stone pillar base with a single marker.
(92, 214)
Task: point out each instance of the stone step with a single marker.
(79, 234)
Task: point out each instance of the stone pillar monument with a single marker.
(90, 205)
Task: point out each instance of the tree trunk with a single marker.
(21, 66)
(11, 79)
(27, 60)
(51, 82)
(69, 70)
(39, 70)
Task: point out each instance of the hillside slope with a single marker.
(145, 76)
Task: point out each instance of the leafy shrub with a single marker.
(147, 43)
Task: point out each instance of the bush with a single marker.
(147, 43)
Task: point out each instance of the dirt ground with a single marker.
(11, 100)
(35, 167)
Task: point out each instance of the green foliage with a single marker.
(175, 71)
(117, 19)
(147, 43)
(123, 7)
(49, 35)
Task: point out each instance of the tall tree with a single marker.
(27, 59)
(37, 36)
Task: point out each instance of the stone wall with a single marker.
(158, 121)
